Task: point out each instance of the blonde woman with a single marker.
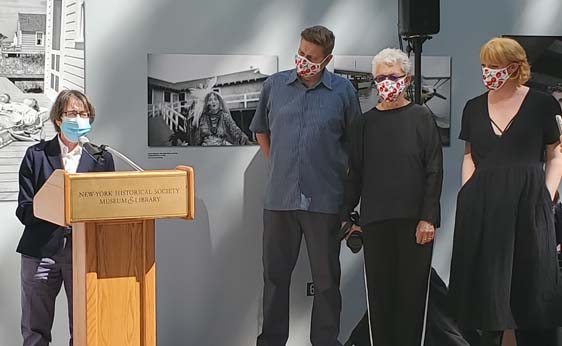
(504, 273)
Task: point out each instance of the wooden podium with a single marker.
(112, 216)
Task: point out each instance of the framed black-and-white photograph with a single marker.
(204, 100)
(545, 56)
(41, 53)
(436, 86)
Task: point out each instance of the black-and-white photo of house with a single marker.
(41, 53)
(436, 86)
(545, 56)
(198, 100)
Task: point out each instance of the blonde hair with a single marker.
(504, 51)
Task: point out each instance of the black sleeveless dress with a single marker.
(504, 270)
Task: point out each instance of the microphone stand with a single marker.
(124, 158)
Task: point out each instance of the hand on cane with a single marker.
(351, 230)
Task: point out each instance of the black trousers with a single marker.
(282, 234)
(530, 337)
(397, 274)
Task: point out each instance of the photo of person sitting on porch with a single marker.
(215, 126)
(204, 100)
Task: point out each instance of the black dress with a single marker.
(504, 272)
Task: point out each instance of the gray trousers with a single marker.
(282, 234)
(41, 281)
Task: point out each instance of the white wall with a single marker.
(71, 69)
(209, 270)
(28, 43)
(72, 59)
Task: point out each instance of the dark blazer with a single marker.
(41, 238)
(558, 222)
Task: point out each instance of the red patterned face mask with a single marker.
(389, 91)
(494, 79)
(307, 68)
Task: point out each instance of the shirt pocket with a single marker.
(330, 113)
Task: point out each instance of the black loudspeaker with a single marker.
(418, 17)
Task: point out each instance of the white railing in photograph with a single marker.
(171, 114)
(172, 118)
(152, 111)
(243, 99)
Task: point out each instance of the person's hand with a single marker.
(352, 229)
(560, 144)
(425, 232)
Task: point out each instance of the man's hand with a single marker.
(264, 142)
(425, 232)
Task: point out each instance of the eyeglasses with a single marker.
(391, 77)
(73, 114)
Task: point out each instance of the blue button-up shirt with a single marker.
(308, 134)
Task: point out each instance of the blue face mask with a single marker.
(74, 128)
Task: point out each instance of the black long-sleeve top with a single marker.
(395, 166)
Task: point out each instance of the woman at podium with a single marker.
(46, 248)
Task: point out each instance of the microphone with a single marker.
(91, 149)
(87, 145)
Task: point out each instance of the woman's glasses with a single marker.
(74, 114)
(391, 77)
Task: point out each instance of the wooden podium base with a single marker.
(114, 283)
(112, 217)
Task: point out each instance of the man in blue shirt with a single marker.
(301, 124)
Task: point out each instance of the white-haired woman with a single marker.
(396, 169)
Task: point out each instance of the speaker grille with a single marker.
(418, 17)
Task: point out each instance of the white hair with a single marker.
(390, 56)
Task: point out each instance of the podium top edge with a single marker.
(131, 174)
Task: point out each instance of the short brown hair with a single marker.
(62, 101)
(503, 51)
(320, 36)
